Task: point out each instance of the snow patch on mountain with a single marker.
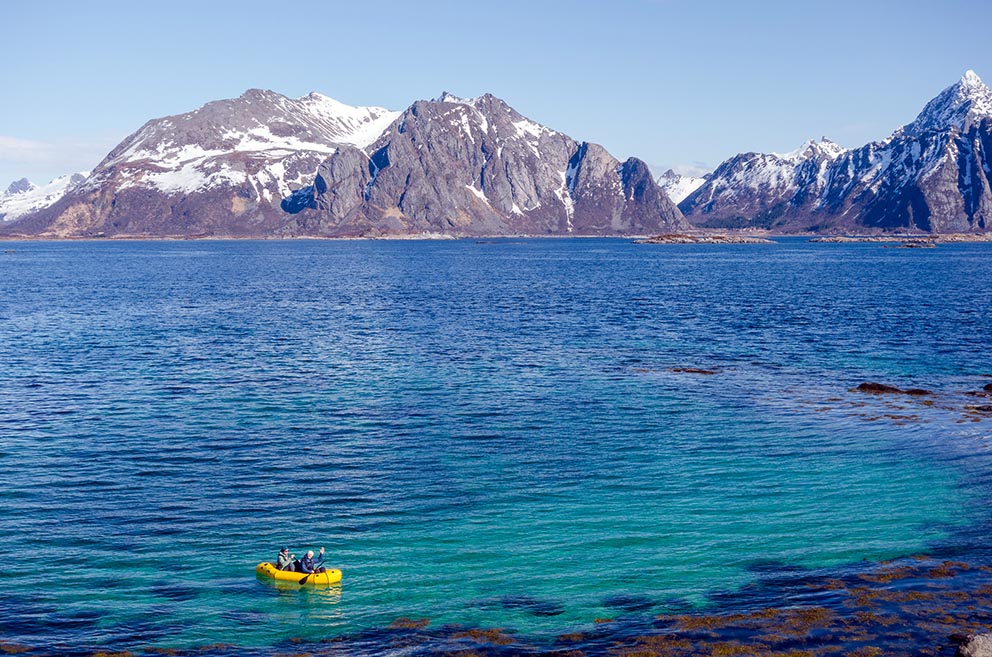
(478, 193)
(23, 196)
(564, 194)
(356, 126)
(529, 131)
(679, 186)
(242, 142)
(447, 97)
(812, 149)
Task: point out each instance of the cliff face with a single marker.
(931, 175)
(477, 167)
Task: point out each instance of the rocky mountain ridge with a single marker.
(931, 175)
(19, 187)
(23, 197)
(478, 167)
(265, 165)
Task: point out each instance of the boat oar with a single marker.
(304, 580)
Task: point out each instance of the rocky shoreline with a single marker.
(727, 237)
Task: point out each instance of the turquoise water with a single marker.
(489, 434)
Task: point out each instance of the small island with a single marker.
(685, 238)
(909, 241)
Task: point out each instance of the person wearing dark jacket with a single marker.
(310, 565)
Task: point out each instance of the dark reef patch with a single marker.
(910, 607)
(531, 605)
(173, 591)
(630, 602)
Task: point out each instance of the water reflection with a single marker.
(310, 602)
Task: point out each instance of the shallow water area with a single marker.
(513, 434)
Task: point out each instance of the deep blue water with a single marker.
(492, 434)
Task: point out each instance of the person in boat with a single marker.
(285, 560)
(310, 565)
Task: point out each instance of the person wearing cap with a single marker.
(308, 565)
(285, 560)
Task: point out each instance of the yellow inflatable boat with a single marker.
(329, 576)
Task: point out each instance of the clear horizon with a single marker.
(678, 84)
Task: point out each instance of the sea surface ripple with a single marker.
(511, 433)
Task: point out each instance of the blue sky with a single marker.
(683, 83)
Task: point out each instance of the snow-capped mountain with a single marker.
(678, 185)
(245, 141)
(751, 189)
(960, 106)
(263, 164)
(930, 175)
(478, 167)
(23, 196)
(223, 168)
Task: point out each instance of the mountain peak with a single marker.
(20, 186)
(253, 93)
(679, 186)
(326, 106)
(448, 97)
(964, 103)
(970, 79)
(317, 98)
(811, 148)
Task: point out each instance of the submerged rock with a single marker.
(883, 389)
(876, 388)
(533, 606)
(690, 370)
(913, 244)
(629, 602)
(979, 645)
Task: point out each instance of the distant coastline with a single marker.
(949, 237)
(694, 237)
(263, 165)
